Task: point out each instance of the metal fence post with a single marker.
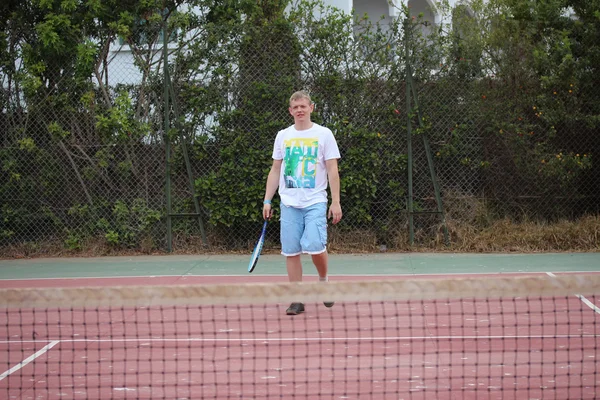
(167, 125)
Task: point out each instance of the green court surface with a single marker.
(348, 264)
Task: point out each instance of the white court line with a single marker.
(580, 297)
(29, 359)
(588, 303)
(314, 339)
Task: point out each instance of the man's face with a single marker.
(301, 109)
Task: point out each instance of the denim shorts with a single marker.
(303, 230)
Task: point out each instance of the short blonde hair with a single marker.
(301, 94)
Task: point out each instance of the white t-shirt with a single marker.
(303, 178)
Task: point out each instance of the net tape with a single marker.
(264, 293)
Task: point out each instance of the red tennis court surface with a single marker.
(514, 347)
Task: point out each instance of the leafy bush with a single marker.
(508, 100)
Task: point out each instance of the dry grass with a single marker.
(352, 242)
(506, 235)
(582, 235)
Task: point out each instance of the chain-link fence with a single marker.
(85, 146)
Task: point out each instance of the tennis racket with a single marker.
(258, 248)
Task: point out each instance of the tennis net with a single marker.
(525, 337)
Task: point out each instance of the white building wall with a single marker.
(377, 8)
(344, 5)
(122, 69)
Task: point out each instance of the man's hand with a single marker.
(267, 211)
(335, 212)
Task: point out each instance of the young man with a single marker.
(304, 160)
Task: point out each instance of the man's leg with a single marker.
(294, 268)
(321, 262)
(314, 240)
(292, 227)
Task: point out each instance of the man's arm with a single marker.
(335, 210)
(272, 185)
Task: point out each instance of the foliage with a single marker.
(232, 193)
(506, 96)
(530, 69)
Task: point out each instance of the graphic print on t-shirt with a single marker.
(300, 162)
